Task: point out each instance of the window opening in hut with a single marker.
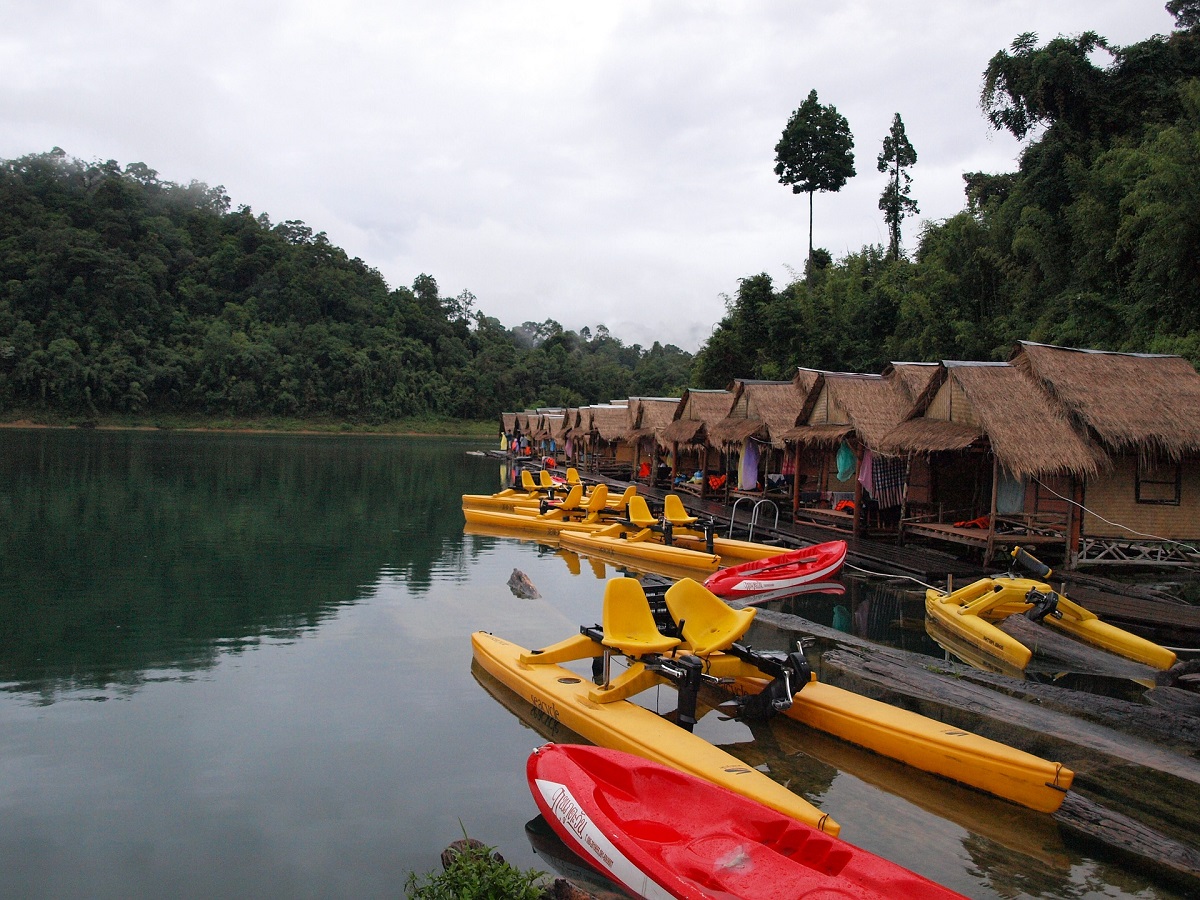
(1158, 482)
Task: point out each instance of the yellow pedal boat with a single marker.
(702, 645)
(670, 541)
(969, 613)
(549, 520)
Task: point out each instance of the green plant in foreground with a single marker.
(473, 872)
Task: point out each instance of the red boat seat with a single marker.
(709, 624)
(629, 625)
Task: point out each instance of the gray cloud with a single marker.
(593, 163)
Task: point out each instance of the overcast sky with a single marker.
(595, 163)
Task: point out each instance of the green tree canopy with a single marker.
(896, 203)
(815, 152)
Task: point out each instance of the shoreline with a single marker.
(470, 430)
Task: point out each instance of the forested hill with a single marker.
(123, 293)
(1093, 242)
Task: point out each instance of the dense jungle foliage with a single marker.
(123, 293)
(1093, 242)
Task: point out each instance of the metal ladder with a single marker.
(753, 514)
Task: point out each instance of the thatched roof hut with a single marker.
(609, 422)
(914, 378)
(649, 417)
(842, 403)
(977, 401)
(508, 422)
(697, 412)
(762, 409)
(1132, 403)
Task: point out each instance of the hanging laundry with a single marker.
(864, 472)
(889, 480)
(748, 470)
(846, 462)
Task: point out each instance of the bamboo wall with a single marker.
(1112, 495)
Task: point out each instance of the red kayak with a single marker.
(778, 573)
(662, 833)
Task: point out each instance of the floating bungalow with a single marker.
(695, 459)
(648, 419)
(843, 481)
(752, 436)
(989, 461)
(609, 453)
(1143, 411)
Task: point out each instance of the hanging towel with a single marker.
(748, 471)
(846, 463)
(864, 472)
(1010, 494)
(889, 477)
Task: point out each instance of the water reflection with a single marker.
(125, 552)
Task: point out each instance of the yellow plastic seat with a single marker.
(675, 513)
(573, 502)
(597, 500)
(545, 479)
(527, 481)
(628, 622)
(709, 624)
(622, 503)
(572, 475)
(639, 512)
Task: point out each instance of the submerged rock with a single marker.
(521, 586)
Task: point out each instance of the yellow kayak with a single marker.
(968, 615)
(557, 693)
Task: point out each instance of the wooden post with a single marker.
(1074, 522)
(991, 541)
(858, 500)
(796, 482)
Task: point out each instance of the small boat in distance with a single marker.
(776, 574)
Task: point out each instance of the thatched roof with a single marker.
(508, 421)
(914, 378)
(652, 416)
(1131, 402)
(826, 436)
(609, 423)
(1027, 434)
(868, 405)
(922, 435)
(697, 412)
(763, 408)
(549, 425)
(570, 421)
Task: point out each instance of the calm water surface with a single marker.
(240, 666)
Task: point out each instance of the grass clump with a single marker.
(472, 871)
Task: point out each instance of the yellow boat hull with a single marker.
(607, 545)
(546, 525)
(969, 615)
(929, 745)
(559, 694)
(505, 501)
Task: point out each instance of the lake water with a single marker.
(238, 665)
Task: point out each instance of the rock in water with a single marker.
(521, 586)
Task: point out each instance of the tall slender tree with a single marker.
(815, 153)
(897, 156)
